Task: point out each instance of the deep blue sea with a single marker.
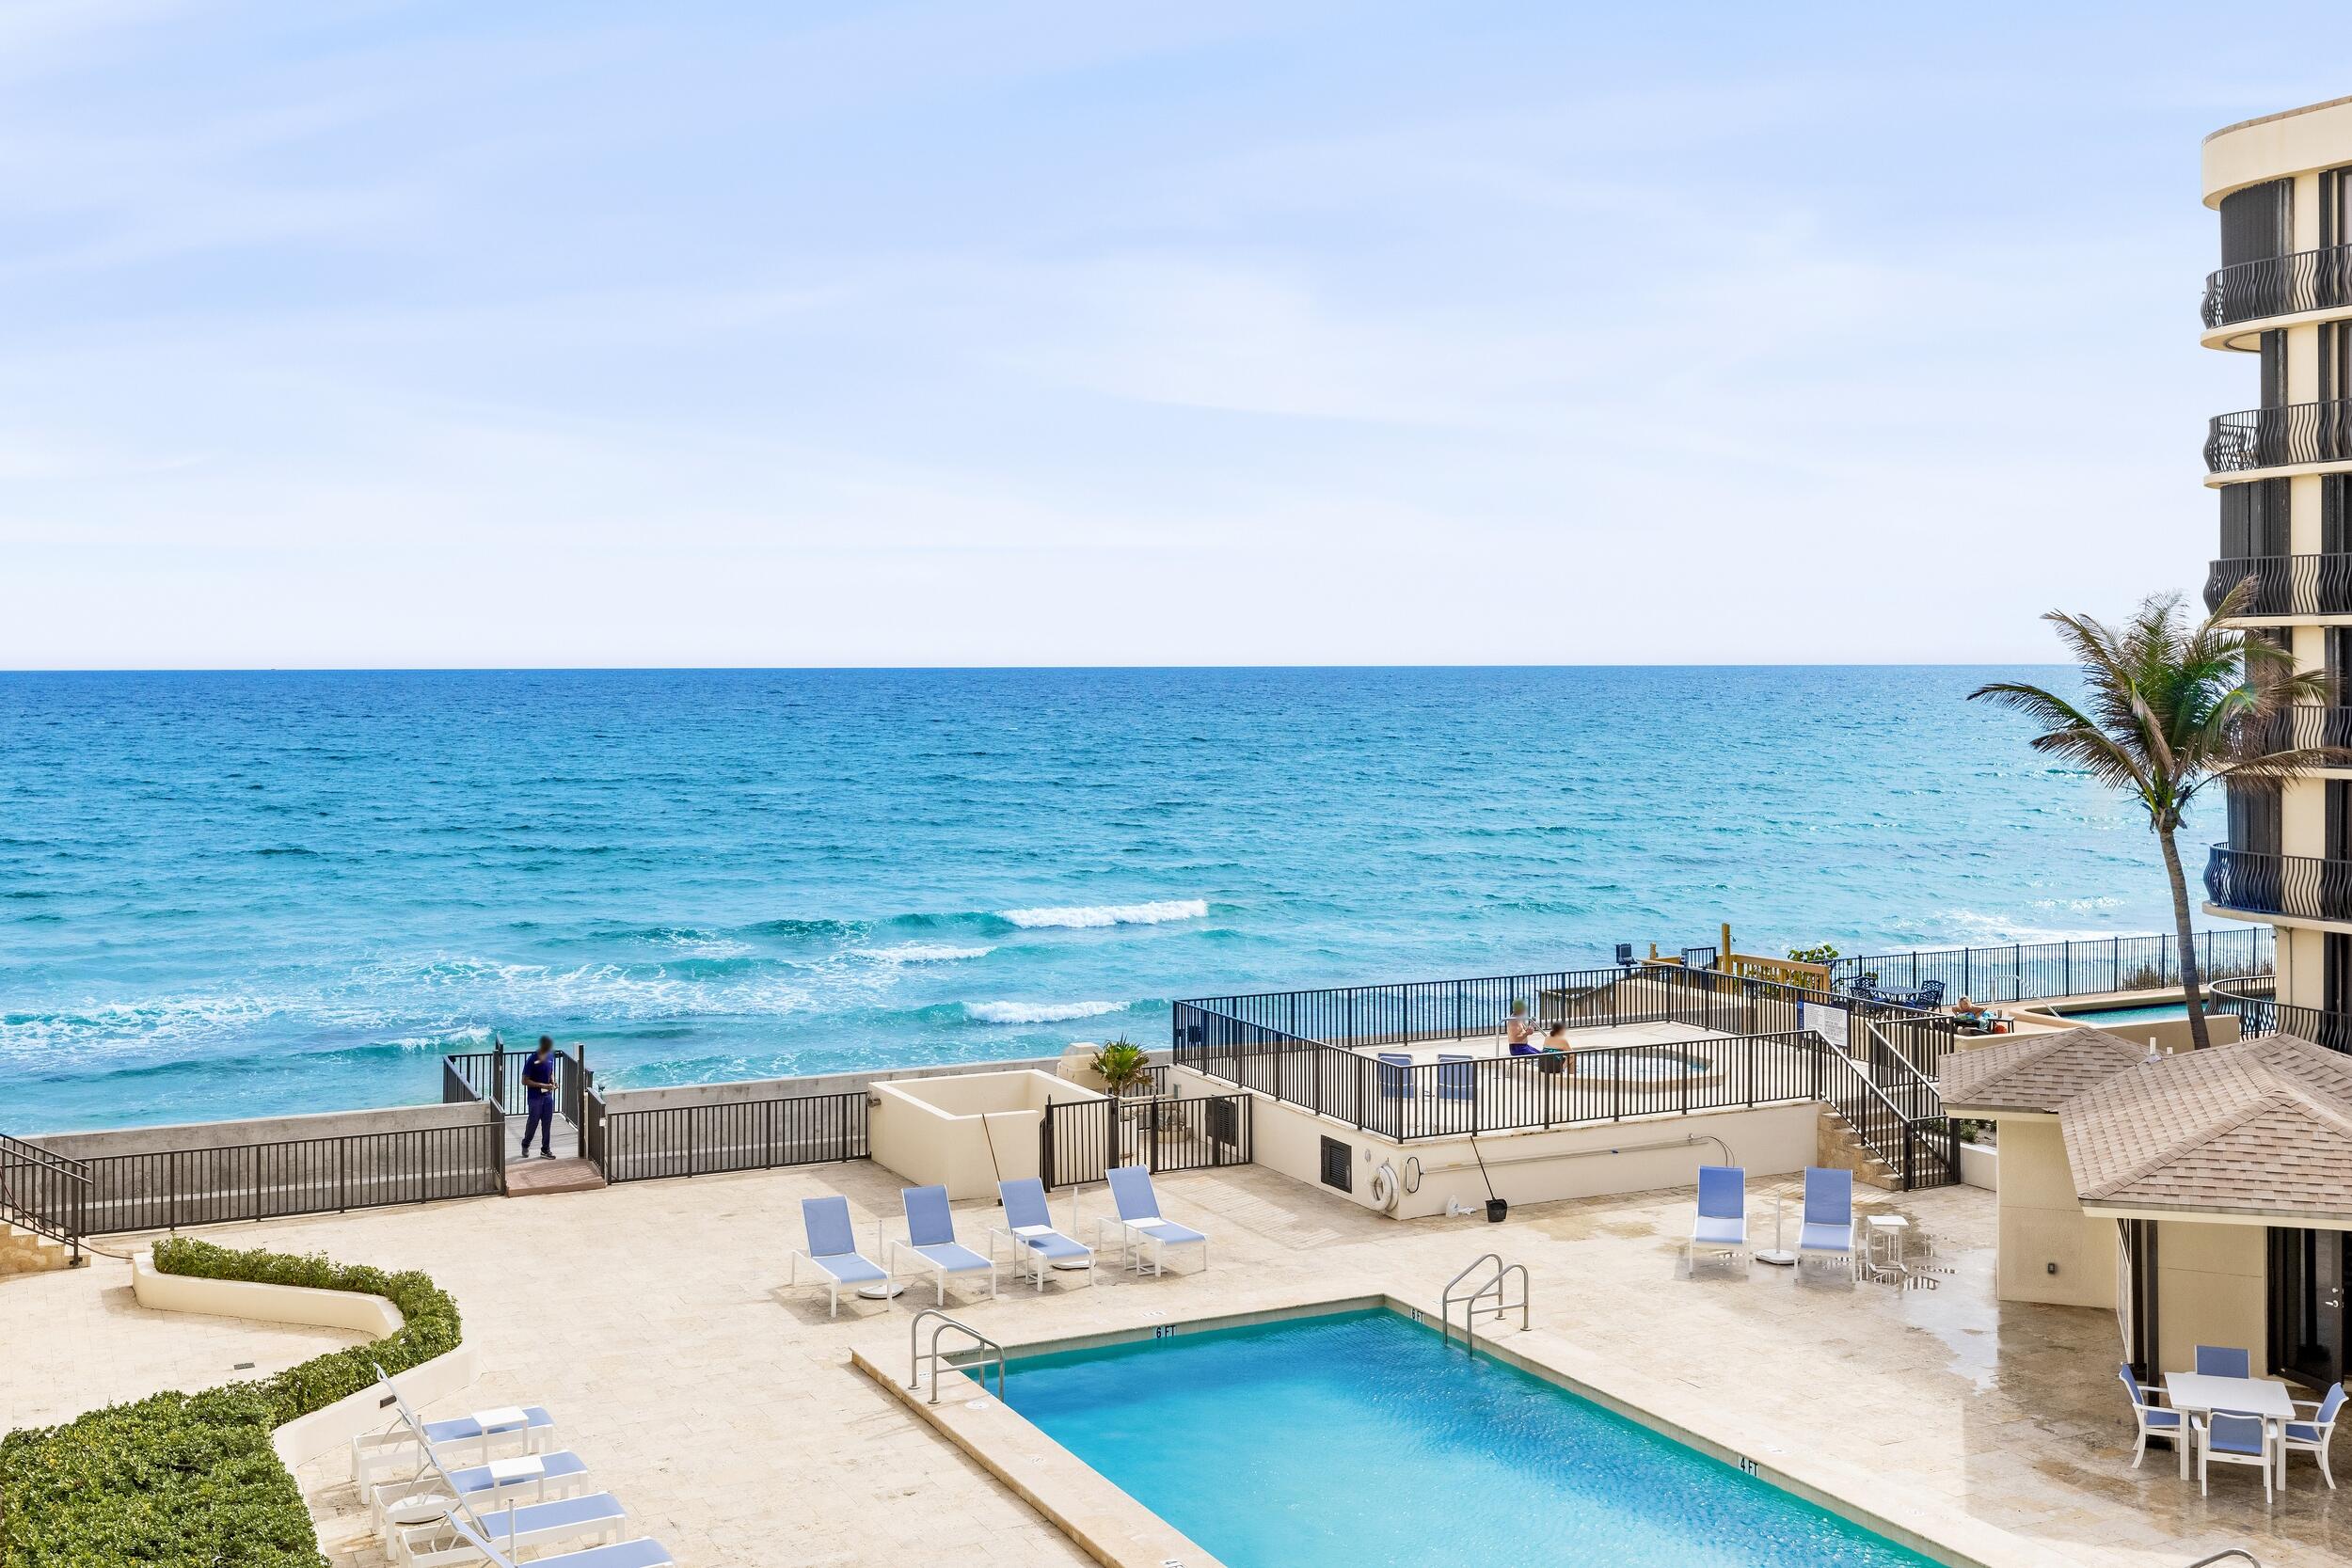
(238, 893)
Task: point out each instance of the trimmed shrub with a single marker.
(190, 1481)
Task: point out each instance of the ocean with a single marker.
(227, 895)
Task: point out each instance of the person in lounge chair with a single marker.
(1968, 1014)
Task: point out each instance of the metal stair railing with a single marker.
(918, 1359)
(1492, 1285)
(44, 1192)
(2225, 1554)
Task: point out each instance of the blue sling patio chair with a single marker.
(832, 1249)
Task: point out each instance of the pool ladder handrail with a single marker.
(1491, 1286)
(916, 1360)
(2226, 1553)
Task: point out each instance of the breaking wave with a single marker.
(1038, 1012)
(1156, 912)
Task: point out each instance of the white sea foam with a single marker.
(1077, 916)
(921, 953)
(1039, 1012)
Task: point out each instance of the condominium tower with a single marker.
(2281, 472)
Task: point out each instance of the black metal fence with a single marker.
(703, 1140)
(2278, 437)
(2280, 286)
(44, 1192)
(2022, 972)
(496, 1077)
(170, 1188)
(1079, 1140)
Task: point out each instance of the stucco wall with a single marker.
(1542, 1167)
(2210, 1291)
(967, 1133)
(2041, 1223)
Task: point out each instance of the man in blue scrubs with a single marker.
(539, 1090)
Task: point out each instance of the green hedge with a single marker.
(190, 1481)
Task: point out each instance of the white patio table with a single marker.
(2248, 1396)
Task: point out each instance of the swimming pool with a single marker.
(2146, 1012)
(1356, 1439)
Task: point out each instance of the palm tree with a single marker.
(2171, 708)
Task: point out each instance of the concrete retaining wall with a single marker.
(671, 1095)
(179, 1136)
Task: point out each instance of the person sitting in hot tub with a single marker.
(1522, 1028)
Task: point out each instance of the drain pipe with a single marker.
(1480, 1163)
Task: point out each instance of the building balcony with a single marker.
(2253, 1003)
(2299, 887)
(2305, 727)
(2285, 585)
(2306, 283)
(2295, 435)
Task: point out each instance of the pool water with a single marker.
(2107, 1017)
(1358, 1439)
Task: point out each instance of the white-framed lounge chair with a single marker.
(2153, 1419)
(378, 1453)
(2312, 1436)
(2224, 1361)
(833, 1250)
(1147, 1233)
(536, 1478)
(1028, 1229)
(1721, 1224)
(2233, 1437)
(932, 1239)
(1828, 1227)
(644, 1552)
(518, 1526)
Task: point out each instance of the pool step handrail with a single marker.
(917, 1359)
(2225, 1554)
(1490, 1285)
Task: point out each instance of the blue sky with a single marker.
(369, 334)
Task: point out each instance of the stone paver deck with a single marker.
(76, 1339)
(652, 1318)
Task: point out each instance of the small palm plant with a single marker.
(1122, 1065)
(2168, 708)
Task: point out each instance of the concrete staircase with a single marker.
(1837, 1146)
(29, 1252)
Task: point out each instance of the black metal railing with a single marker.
(167, 1189)
(2280, 286)
(44, 1192)
(2022, 972)
(2306, 727)
(496, 1078)
(2284, 584)
(703, 1140)
(1079, 1140)
(2301, 886)
(2260, 1012)
(2278, 437)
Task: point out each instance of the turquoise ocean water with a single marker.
(232, 894)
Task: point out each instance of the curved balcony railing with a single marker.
(2280, 286)
(2285, 585)
(2277, 438)
(2251, 1002)
(2301, 887)
(2305, 727)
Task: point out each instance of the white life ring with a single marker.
(1384, 1188)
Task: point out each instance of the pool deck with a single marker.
(724, 1412)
